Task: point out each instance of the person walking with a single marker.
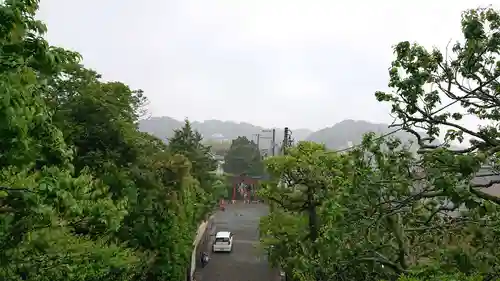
(204, 259)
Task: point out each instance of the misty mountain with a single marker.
(160, 127)
(163, 127)
(350, 132)
(339, 136)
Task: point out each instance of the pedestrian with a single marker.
(204, 259)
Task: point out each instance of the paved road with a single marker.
(246, 262)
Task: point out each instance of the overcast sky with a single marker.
(297, 63)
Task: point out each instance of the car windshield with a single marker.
(221, 240)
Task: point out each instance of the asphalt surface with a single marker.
(246, 262)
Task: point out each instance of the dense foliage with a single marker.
(380, 211)
(83, 194)
(243, 157)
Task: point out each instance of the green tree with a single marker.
(372, 216)
(189, 143)
(84, 195)
(243, 157)
(465, 76)
(28, 135)
(139, 169)
(300, 183)
(465, 82)
(389, 212)
(42, 204)
(99, 120)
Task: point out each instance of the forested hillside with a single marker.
(84, 195)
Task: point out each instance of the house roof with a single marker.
(485, 175)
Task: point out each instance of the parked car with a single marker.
(223, 242)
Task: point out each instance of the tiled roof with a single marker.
(485, 175)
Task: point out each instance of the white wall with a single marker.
(200, 233)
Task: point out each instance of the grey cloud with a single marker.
(272, 63)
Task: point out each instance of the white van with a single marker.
(223, 242)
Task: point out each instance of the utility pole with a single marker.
(273, 143)
(273, 140)
(285, 141)
(258, 140)
(258, 145)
